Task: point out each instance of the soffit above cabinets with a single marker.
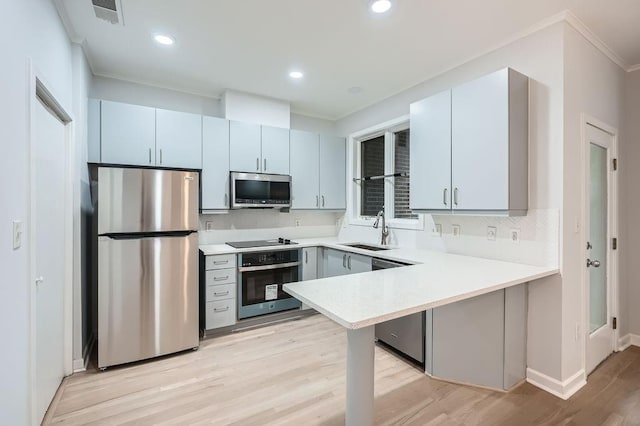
(252, 45)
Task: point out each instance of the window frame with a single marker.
(386, 129)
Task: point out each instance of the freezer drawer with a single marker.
(147, 297)
(406, 334)
(146, 200)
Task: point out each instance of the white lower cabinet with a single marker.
(479, 341)
(338, 262)
(309, 267)
(220, 292)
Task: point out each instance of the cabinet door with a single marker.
(480, 143)
(244, 147)
(128, 134)
(335, 263)
(430, 148)
(333, 178)
(178, 139)
(357, 263)
(215, 163)
(275, 150)
(309, 263)
(305, 178)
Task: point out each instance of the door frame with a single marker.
(613, 219)
(38, 90)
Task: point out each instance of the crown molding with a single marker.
(66, 22)
(633, 68)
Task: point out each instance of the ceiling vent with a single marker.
(108, 10)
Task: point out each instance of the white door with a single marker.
(430, 168)
(49, 260)
(333, 164)
(178, 139)
(275, 150)
(305, 180)
(244, 147)
(599, 209)
(128, 134)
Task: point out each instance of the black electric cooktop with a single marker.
(261, 243)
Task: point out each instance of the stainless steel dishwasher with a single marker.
(405, 334)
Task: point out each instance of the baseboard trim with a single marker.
(628, 340)
(80, 365)
(563, 390)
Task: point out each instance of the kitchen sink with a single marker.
(366, 246)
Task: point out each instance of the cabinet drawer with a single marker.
(221, 292)
(220, 313)
(220, 261)
(221, 276)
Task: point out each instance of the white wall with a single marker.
(594, 86)
(540, 56)
(33, 30)
(249, 108)
(629, 155)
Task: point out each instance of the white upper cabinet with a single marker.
(333, 172)
(275, 150)
(215, 163)
(178, 139)
(245, 152)
(128, 134)
(488, 143)
(305, 174)
(430, 148)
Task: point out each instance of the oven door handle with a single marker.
(268, 267)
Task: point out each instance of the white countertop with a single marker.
(434, 279)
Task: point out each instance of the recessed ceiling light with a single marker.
(296, 74)
(380, 6)
(164, 39)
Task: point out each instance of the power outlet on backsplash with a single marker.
(208, 225)
(492, 233)
(436, 231)
(455, 231)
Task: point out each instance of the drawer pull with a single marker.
(226, 308)
(394, 335)
(220, 262)
(226, 277)
(226, 293)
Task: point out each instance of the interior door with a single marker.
(599, 208)
(49, 262)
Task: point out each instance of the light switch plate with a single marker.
(455, 231)
(436, 231)
(492, 232)
(514, 235)
(17, 234)
(298, 223)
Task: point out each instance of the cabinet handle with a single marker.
(306, 257)
(444, 196)
(149, 155)
(226, 308)
(224, 293)
(221, 278)
(257, 164)
(349, 264)
(160, 155)
(265, 164)
(226, 200)
(220, 262)
(317, 202)
(344, 260)
(455, 196)
(323, 201)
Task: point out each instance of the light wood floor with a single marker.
(294, 373)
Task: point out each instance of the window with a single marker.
(385, 152)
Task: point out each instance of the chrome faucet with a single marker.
(385, 229)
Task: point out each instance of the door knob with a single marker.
(594, 263)
(39, 281)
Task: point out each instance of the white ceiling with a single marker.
(251, 45)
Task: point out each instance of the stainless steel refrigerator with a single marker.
(147, 263)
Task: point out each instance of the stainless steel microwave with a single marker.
(260, 190)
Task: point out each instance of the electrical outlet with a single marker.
(17, 234)
(455, 231)
(514, 235)
(298, 222)
(208, 225)
(436, 231)
(492, 232)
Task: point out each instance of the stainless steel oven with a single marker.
(260, 279)
(260, 190)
